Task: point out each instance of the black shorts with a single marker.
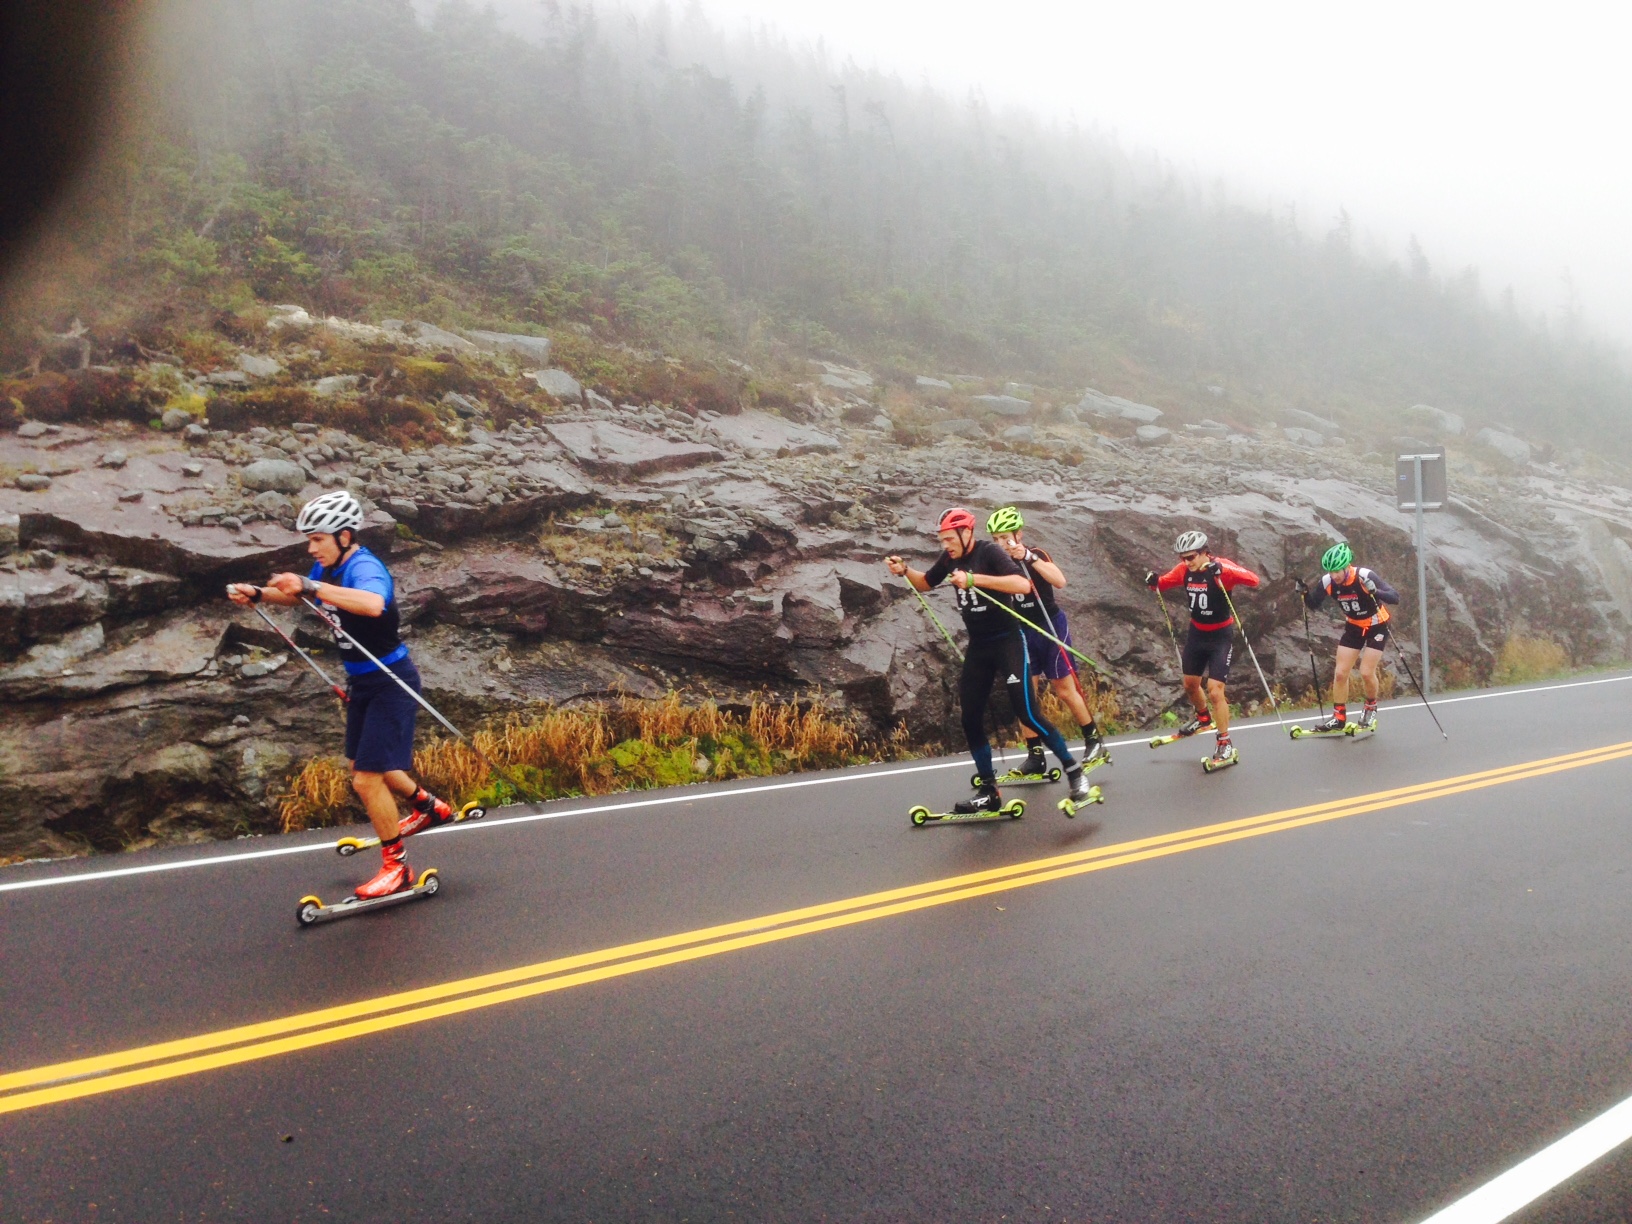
(1207, 652)
(1356, 638)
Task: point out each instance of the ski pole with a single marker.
(1308, 637)
(1273, 704)
(334, 623)
(924, 603)
(1400, 655)
(1034, 627)
(1171, 636)
(339, 692)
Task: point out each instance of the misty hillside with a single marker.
(346, 156)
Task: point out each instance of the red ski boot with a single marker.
(428, 812)
(395, 874)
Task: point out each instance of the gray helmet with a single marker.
(332, 512)
(1190, 541)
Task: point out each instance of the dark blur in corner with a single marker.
(61, 66)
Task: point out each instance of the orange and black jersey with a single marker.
(1207, 588)
(1359, 592)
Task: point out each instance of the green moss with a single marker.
(646, 764)
(737, 755)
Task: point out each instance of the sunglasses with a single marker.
(1188, 556)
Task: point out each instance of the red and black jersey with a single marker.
(1206, 589)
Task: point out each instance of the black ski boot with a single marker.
(1035, 765)
(1201, 722)
(1332, 725)
(985, 799)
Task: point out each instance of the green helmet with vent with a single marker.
(1337, 558)
(1006, 519)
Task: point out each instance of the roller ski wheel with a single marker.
(1072, 806)
(1016, 778)
(1014, 809)
(1222, 759)
(348, 846)
(312, 911)
(1102, 757)
(1356, 729)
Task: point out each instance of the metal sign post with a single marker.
(1424, 476)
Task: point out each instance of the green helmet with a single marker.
(1005, 519)
(1337, 558)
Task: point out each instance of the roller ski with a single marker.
(1201, 722)
(1033, 771)
(394, 884)
(429, 812)
(1223, 757)
(1337, 724)
(1082, 795)
(985, 804)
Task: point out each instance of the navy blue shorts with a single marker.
(1047, 659)
(380, 720)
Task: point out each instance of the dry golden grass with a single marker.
(1524, 659)
(596, 749)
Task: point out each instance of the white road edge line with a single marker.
(1555, 1164)
(857, 775)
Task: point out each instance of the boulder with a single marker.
(602, 447)
(10, 531)
(1208, 429)
(925, 383)
(844, 378)
(37, 603)
(1019, 433)
(1515, 450)
(1117, 408)
(258, 367)
(1152, 435)
(400, 508)
(957, 427)
(175, 420)
(31, 429)
(113, 459)
(558, 383)
(533, 348)
(33, 482)
(430, 336)
(1303, 437)
(1447, 422)
(1002, 405)
(335, 384)
(1299, 419)
(737, 636)
(1020, 390)
(463, 407)
(273, 475)
(759, 434)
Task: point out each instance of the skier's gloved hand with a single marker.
(1212, 569)
(1303, 587)
(1150, 579)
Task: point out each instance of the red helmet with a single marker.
(956, 519)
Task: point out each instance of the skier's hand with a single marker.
(243, 593)
(1303, 587)
(897, 566)
(1212, 569)
(287, 584)
(962, 579)
(1150, 579)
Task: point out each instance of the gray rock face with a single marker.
(759, 434)
(1517, 450)
(602, 447)
(10, 525)
(533, 348)
(1002, 405)
(464, 407)
(273, 475)
(558, 383)
(430, 336)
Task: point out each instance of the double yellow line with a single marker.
(83, 1077)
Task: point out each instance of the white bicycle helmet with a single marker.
(332, 512)
(1190, 541)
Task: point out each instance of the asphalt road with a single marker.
(1351, 1011)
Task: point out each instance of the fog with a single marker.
(1494, 133)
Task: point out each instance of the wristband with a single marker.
(308, 587)
(1030, 556)
(259, 591)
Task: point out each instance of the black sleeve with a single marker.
(1385, 593)
(936, 574)
(1315, 593)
